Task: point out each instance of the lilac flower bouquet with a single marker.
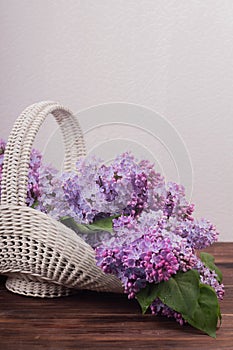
(143, 232)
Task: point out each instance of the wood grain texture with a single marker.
(91, 320)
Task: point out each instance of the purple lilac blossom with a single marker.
(176, 204)
(144, 246)
(159, 308)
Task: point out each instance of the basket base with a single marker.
(36, 288)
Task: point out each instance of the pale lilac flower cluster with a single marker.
(71, 194)
(199, 233)
(51, 197)
(210, 277)
(129, 185)
(33, 174)
(126, 186)
(176, 204)
(94, 189)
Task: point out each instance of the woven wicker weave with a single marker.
(41, 256)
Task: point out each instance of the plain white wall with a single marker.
(175, 57)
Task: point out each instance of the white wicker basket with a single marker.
(41, 256)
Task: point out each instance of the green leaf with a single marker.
(72, 224)
(174, 293)
(35, 204)
(206, 314)
(208, 261)
(99, 225)
(181, 292)
(102, 224)
(197, 302)
(184, 293)
(147, 295)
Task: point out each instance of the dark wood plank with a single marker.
(106, 321)
(223, 252)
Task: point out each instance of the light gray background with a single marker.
(174, 57)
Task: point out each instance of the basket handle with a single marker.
(18, 149)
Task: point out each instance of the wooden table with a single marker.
(105, 321)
